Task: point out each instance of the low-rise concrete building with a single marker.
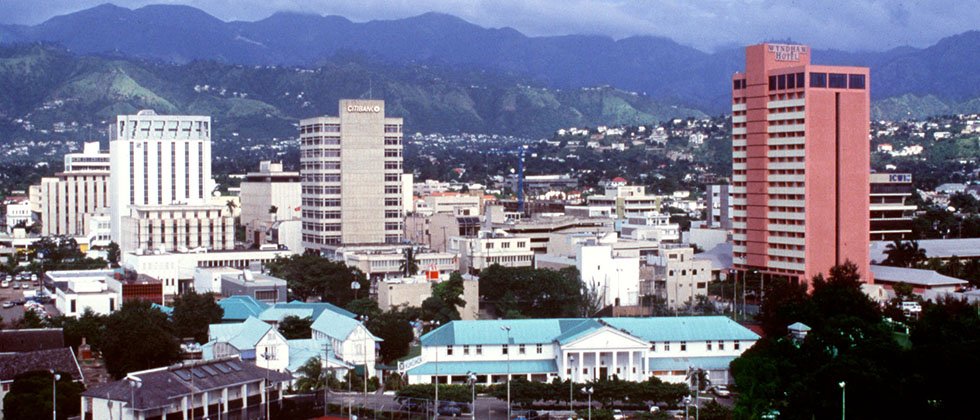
(412, 291)
(262, 287)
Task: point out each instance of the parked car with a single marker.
(8, 304)
(618, 414)
(5, 284)
(526, 415)
(721, 391)
(410, 405)
(450, 409)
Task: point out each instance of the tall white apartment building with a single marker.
(351, 167)
(160, 183)
(79, 193)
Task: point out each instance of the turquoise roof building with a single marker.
(582, 349)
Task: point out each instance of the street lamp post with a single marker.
(435, 411)
(266, 355)
(507, 329)
(589, 391)
(843, 405)
(54, 394)
(472, 378)
(571, 381)
(134, 384)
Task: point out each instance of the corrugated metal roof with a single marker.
(683, 363)
(914, 276)
(276, 313)
(239, 307)
(337, 326)
(242, 336)
(683, 328)
(522, 331)
(486, 367)
(934, 248)
(302, 350)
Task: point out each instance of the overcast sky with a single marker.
(705, 24)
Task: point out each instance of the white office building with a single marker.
(81, 191)
(651, 226)
(160, 184)
(489, 248)
(268, 196)
(679, 277)
(19, 213)
(616, 279)
(351, 168)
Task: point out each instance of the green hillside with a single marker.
(53, 86)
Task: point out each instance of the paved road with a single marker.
(486, 407)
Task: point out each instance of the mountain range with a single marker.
(905, 80)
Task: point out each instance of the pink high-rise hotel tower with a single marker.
(800, 170)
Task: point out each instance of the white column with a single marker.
(206, 402)
(595, 373)
(224, 401)
(630, 373)
(614, 365)
(183, 406)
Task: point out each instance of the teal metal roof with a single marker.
(486, 367)
(490, 332)
(242, 336)
(682, 363)
(682, 328)
(582, 329)
(240, 307)
(277, 313)
(317, 307)
(532, 331)
(302, 350)
(165, 309)
(337, 326)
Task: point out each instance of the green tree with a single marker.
(532, 293)
(410, 266)
(30, 396)
(193, 313)
(293, 327)
(311, 375)
(30, 320)
(89, 325)
(904, 254)
(310, 275)
(446, 299)
(138, 337)
(848, 342)
(365, 307)
(395, 328)
(113, 254)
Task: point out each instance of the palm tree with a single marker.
(410, 266)
(904, 254)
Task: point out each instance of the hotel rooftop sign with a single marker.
(785, 52)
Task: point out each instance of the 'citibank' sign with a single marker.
(784, 52)
(364, 108)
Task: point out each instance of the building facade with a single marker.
(160, 184)
(489, 248)
(584, 349)
(80, 192)
(351, 169)
(679, 277)
(800, 156)
(718, 206)
(891, 215)
(268, 195)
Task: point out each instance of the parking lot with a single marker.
(10, 294)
